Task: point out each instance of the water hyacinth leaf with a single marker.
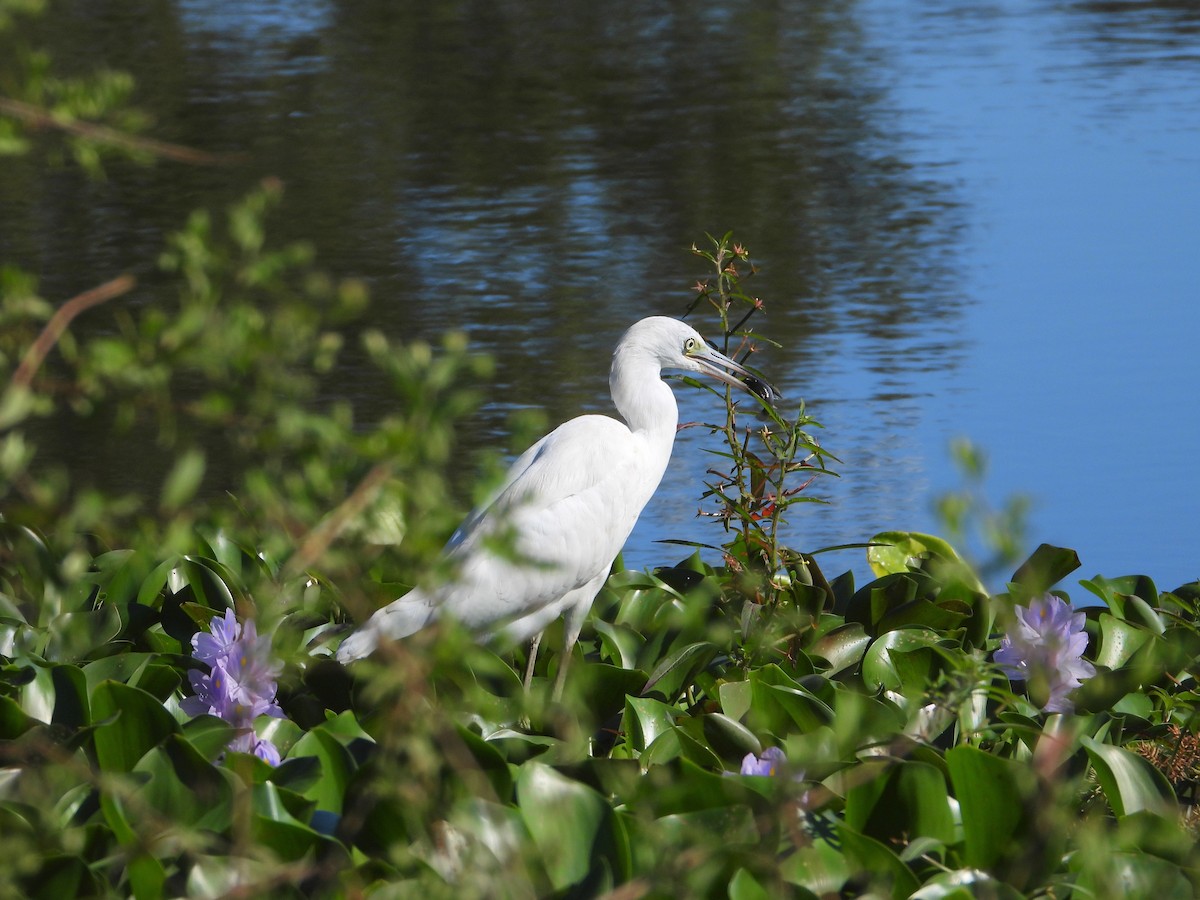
(727, 737)
(1129, 782)
(151, 590)
(908, 799)
(61, 875)
(1045, 567)
(744, 886)
(208, 735)
(647, 718)
(902, 660)
(1116, 592)
(780, 704)
(819, 868)
(842, 647)
(491, 761)
(676, 672)
(572, 826)
(885, 869)
(146, 874)
(212, 585)
(77, 635)
(71, 706)
(119, 667)
(680, 743)
(14, 721)
(736, 698)
(183, 786)
(337, 768)
(1140, 875)
(618, 643)
(942, 616)
(892, 552)
(274, 825)
(600, 690)
(1119, 640)
(872, 601)
(133, 722)
(991, 793)
(965, 884)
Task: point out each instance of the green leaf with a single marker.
(134, 722)
(619, 643)
(491, 761)
(275, 826)
(647, 718)
(903, 551)
(1046, 566)
(887, 869)
(908, 799)
(1119, 640)
(71, 707)
(14, 721)
(736, 697)
(183, 480)
(571, 825)
(841, 647)
(744, 886)
(1129, 782)
(337, 767)
(677, 671)
(991, 794)
(903, 660)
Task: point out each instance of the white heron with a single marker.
(543, 545)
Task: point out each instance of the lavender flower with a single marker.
(1044, 647)
(240, 685)
(767, 764)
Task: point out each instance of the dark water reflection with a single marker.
(534, 172)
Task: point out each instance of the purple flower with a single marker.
(1044, 647)
(213, 693)
(767, 764)
(240, 684)
(248, 742)
(213, 647)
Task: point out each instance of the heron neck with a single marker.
(642, 398)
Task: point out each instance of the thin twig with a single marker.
(36, 354)
(39, 117)
(317, 541)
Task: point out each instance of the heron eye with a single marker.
(689, 345)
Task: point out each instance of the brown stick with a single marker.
(39, 117)
(58, 323)
(317, 541)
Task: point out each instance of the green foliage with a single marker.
(911, 765)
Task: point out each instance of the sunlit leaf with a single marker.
(991, 794)
(1129, 782)
(133, 723)
(571, 825)
(1046, 566)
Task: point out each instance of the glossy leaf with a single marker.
(571, 825)
(991, 793)
(1046, 566)
(130, 723)
(1129, 782)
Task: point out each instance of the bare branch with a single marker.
(40, 118)
(36, 354)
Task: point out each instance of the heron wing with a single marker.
(564, 511)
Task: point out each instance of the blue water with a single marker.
(1070, 135)
(970, 220)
